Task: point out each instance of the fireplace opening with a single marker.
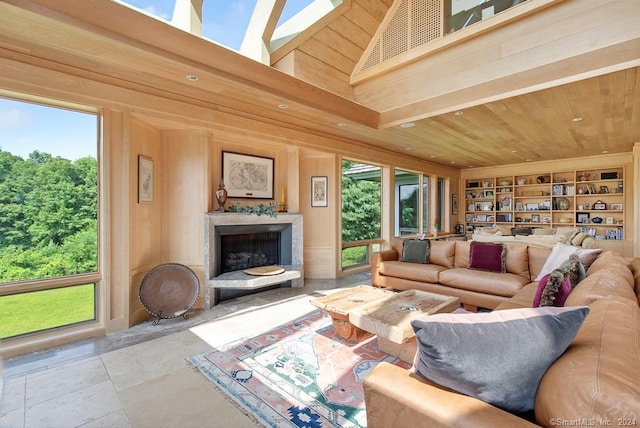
(248, 250)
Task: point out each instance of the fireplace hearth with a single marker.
(235, 242)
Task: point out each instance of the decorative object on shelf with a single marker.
(282, 207)
(542, 179)
(221, 196)
(521, 181)
(582, 218)
(604, 190)
(505, 183)
(436, 226)
(585, 176)
(247, 176)
(145, 180)
(616, 207)
(599, 205)
(609, 176)
(596, 220)
(258, 210)
(562, 203)
(454, 204)
(319, 192)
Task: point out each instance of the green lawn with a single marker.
(41, 310)
(354, 255)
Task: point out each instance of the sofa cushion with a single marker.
(604, 283)
(567, 232)
(462, 254)
(488, 257)
(442, 253)
(498, 284)
(561, 253)
(518, 260)
(537, 257)
(609, 260)
(522, 298)
(597, 377)
(487, 356)
(412, 271)
(415, 251)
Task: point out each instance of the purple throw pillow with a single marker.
(488, 256)
(553, 290)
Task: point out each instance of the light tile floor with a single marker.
(139, 377)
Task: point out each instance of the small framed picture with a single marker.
(145, 180)
(604, 189)
(532, 207)
(319, 192)
(488, 193)
(616, 207)
(582, 218)
(535, 218)
(609, 220)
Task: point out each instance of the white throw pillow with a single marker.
(561, 252)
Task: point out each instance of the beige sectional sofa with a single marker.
(595, 382)
(447, 272)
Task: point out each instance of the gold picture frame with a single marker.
(145, 180)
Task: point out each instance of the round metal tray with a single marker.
(169, 291)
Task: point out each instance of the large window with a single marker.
(48, 217)
(361, 210)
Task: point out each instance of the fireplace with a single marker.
(235, 242)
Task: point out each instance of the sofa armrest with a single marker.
(397, 397)
(377, 258)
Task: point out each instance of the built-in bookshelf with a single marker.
(592, 200)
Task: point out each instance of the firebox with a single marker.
(247, 250)
(246, 246)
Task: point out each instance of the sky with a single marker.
(26, 127)
(223, 21)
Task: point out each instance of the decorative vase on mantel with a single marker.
(221, 196)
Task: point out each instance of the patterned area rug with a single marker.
(298, 375)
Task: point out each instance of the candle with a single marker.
(283, 196)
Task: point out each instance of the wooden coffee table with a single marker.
(391, 318)
(339, 304)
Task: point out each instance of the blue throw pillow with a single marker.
(498, 357)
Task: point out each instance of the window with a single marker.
(459, 14)
(361, 210)
(48, 217)
(412, 206)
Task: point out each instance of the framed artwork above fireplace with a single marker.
(247, 176)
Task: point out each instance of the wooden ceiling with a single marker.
(134, 51)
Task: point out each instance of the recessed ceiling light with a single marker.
(577, 119)
(191, 77)
(432, 156)
(283, 106)
(605, 151)
(527, 160)
(407, 125)
(452, 162)
(408, 149)
(458, 113)
(514, 151)
(341, 124)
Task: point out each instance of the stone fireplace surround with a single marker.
(291, 228)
